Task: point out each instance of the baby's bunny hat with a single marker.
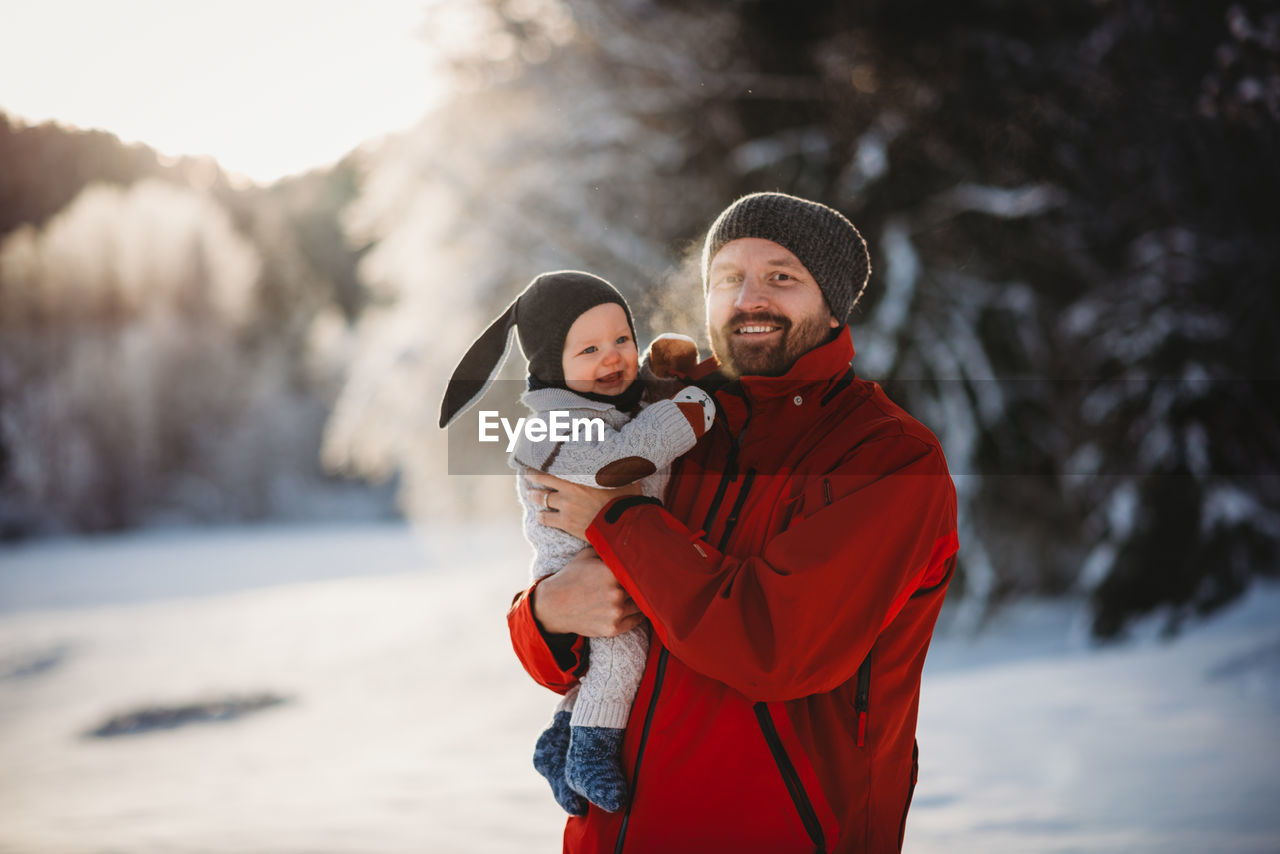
(541, 316)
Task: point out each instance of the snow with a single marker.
(408, 724)
(769, 151)
(1003, 202)
(1031, 741)
(878, 352)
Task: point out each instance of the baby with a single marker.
(576, 331)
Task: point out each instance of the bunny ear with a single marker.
(476, 371)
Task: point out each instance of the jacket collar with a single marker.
(824, 364)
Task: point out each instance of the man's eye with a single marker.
(786, 277)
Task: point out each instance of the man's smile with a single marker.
(758, 328)
(756, 331)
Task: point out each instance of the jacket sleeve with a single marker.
(648, 442)
(800, 617)
(554, 661)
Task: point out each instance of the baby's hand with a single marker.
(672, 354)
(698, 407)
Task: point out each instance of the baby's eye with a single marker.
(589, 350)
(622, 339)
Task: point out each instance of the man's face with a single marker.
(764, 309)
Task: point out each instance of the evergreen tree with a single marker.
(1068, 207)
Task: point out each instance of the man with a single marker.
(792, 576)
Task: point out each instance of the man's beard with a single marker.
(742, 357)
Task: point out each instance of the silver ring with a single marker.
(546, 499)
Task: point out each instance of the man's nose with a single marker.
(753, 295)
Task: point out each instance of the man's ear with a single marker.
(832, 322)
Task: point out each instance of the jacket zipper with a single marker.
(862, 694)
(730, 470)
(841, 384)
(799, 797)
(862, 699)
(644, 737)
(732, 522)
(730, 475)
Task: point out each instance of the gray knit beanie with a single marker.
(828, 245)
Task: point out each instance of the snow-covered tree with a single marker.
(548, 162)
(129, 385)
(1066, 205)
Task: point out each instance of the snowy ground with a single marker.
(409, 724)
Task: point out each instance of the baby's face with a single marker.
(599, 353)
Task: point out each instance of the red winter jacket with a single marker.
(793, 579)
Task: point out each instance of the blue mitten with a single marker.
(549, 757)
(595, 766)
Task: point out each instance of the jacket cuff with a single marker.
(612, 511)
(611, 526)
(554, 661)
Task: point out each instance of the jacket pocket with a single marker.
(862, 699)
(791, 778)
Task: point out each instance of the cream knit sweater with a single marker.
(659, 433)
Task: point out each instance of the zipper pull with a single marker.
(697, 547)
(862, 699)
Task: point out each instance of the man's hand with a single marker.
(584, 598)
(568, 506)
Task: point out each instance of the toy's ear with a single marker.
(478, 367)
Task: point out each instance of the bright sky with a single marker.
(268, 87)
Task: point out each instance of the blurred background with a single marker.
(242, 245)
(249, 307)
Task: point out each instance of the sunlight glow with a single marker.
(267, 87)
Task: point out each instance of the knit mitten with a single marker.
(549, 757)
(594, 769)
(672, 354)
(697, 407)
